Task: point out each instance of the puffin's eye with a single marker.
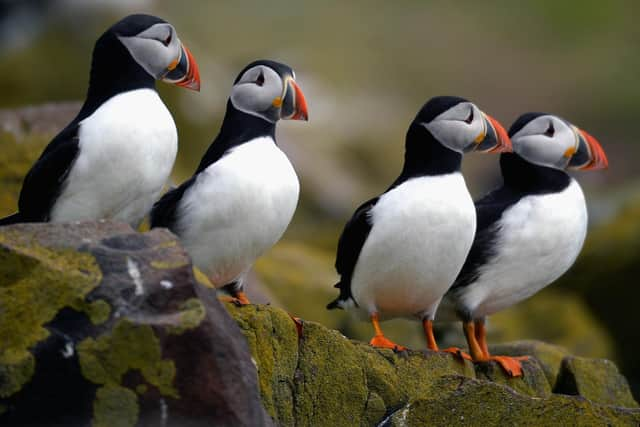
(260, 79)
(550, 130)
(167, 40)
(469, 119)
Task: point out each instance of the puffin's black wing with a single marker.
(164, 211)
(489, 210)
(45, 180)
(351, 241)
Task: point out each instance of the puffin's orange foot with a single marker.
(298, 322)
(234, 300)
(458, 352)
(380, 341)
(241, 298)
(511, 365)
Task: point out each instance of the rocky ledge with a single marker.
(103, 326)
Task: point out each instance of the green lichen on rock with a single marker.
(165, 265)
(548, 356)
(326, 356)
(106, 359)
(115, 406)
(532, 383)
(583, 377)
(325, 378)
(201, 278)
(16, 368)
(273, 342)
(26, 305)
(98, 311)
(192, 313)
(469, 402)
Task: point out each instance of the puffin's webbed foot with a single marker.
(511, 365)
(379, 340)
(238, 298)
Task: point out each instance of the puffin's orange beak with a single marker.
(504, 142)
(301, 103)
(184, 71)
(495, 139)
(589, 155)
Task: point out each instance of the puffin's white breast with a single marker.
(238, 208)
(539, 239)
(127, 150)
(422, 232)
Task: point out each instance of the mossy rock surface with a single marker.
(464, 401)
(583, 377)
(102, 325)
(324, 378)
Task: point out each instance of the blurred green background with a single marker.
(366, 67)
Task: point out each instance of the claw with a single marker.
(458, 352)
(299, 325)
(380, 341)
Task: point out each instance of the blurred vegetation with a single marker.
(366, 67)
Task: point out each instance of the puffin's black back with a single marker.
(113, 71)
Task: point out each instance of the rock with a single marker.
(464, 401)
(44, 119)
(605, 275)
(324, 377)
(574, 324)
(548, 356)
(104, 325)
(101, 325)
(583, 377)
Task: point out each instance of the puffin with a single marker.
(243, 194)
(401, 251)
(530, 230)
(113, 159)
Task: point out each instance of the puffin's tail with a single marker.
(11, 219)
(334, 304)
(337, 303)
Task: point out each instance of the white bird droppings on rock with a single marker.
(68, 350)
(134, 273)
(166, 284)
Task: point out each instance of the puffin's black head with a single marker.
(154, 45)
(460, 126)
(267, 89)
(548, 140)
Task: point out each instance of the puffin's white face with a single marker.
(551, 141)
(546, 141)
(159, 51)
(262, 92)
(464, 127)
